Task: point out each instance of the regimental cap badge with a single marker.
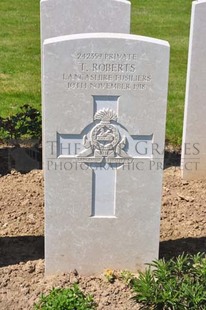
(105, 115)
(105, 141)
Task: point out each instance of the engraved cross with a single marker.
(104, 146)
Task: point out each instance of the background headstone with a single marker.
(104, 103)
(64, 17)
(193, 159)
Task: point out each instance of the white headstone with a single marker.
(64, 17)
(193, 159)
(104, 101)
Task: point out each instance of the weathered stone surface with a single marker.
(64, 17)
(194, 140)
(104, 102)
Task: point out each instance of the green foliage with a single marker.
(26, 123)
(127, 277)
(177, 284)
(65, 299)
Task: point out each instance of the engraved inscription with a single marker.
(106, 56)
(106, 71)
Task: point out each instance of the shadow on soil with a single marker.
(14, 250)
(173, 248)
(22, 159)
(172, 158)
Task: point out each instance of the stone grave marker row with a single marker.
(193, 159)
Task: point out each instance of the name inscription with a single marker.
(110, 71)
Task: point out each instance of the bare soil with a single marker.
(22, 277)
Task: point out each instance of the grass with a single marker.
(168, 20)
(19, 55)
(20, 52)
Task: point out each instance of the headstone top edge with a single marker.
(123, 1)
(198, 2)
(106, 35)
